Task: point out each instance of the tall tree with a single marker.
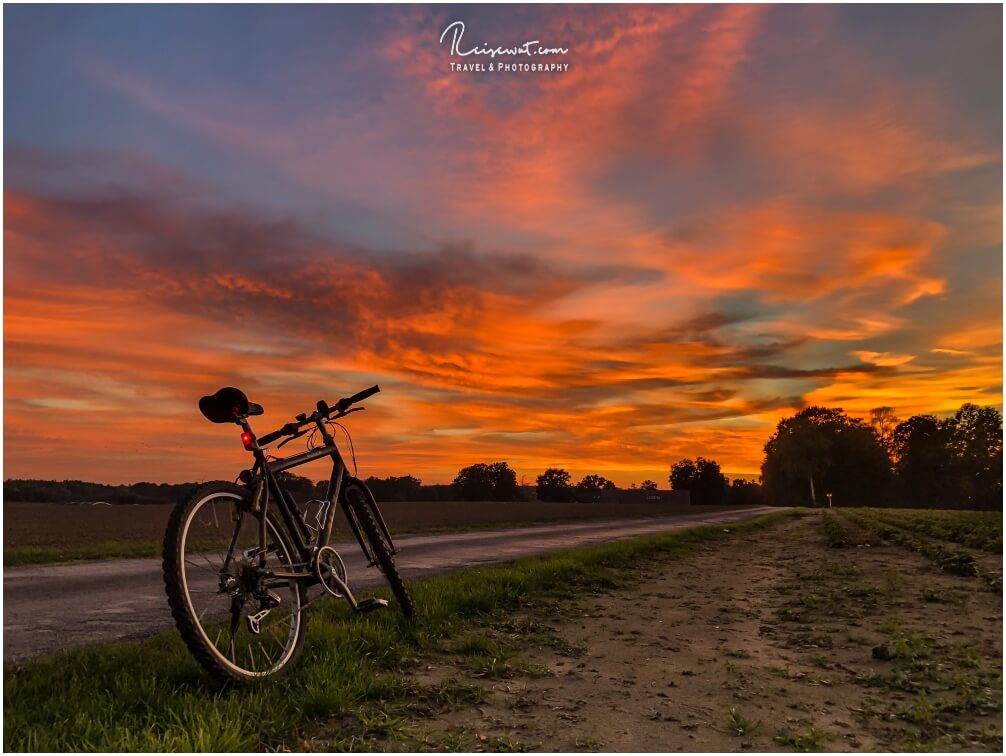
(924, 467)
(976, 446)
(821, 450)
(956, 462)
(884, 421)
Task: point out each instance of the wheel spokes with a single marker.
(225, 586)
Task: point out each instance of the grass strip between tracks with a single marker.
(151, 696)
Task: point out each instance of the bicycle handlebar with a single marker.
(359, 397)
(322, 411)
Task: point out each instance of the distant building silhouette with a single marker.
(638, 496)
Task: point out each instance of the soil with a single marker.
(769, 641)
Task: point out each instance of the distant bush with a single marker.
(555, 484)
(702, 478)
(494, 481)
(745, 493)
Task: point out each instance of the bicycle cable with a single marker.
(352, 451)
(349, 439)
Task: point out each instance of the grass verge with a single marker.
(151, 696)
(20, 556)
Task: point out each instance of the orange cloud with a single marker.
(657, 254)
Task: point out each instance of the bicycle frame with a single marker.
(268, 487)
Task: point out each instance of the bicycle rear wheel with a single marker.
(238, 623)
(357, 501)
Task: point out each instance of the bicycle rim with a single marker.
(219, 609)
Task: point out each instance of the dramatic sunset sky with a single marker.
(716, 216)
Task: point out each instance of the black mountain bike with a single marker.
(239, 558)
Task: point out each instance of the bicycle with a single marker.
(239, 558)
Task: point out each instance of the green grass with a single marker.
(810, 739)
(979, 530)
(23, 555)
(737, 724)
(904, 646)
(26, 555)
(836, 535)
(151, 696)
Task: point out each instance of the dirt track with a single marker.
(766, 642)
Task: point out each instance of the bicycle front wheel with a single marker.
(239, 623)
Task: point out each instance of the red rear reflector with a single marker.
(248, 440)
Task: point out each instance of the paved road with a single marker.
(52, 607)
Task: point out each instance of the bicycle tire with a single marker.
(188, 623)
(357, 500)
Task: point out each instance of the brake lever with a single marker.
(349, 412)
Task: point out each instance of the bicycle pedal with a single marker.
(370, 605)
(255, 621)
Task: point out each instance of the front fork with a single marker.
(354, 524)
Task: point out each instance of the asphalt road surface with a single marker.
(52, 607)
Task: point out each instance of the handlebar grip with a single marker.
(287, 430)
(268, 438)
(366, 393)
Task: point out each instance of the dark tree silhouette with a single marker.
(648, 485)
(884, 422)
(822, 450)
(405, 488)
(702, 478)
(555, 484)
(976, 446)
(487, 482)
(67, 491)
(924, 467)
(589, 489)
(745, 493)
(302, 489)
(955, 462)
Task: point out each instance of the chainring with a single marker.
(328, 563)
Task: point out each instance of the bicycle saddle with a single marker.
(227, 405)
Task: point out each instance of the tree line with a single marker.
(66, 491)
(955, 462)
(483, 481)
(823, 456)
